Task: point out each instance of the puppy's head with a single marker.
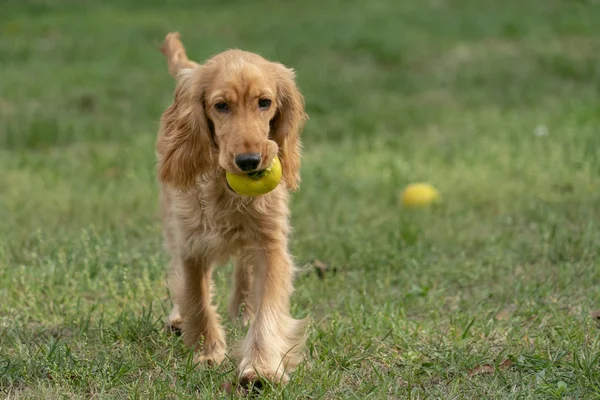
(237, 112)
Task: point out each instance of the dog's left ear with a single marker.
(287, 125)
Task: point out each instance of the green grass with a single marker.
(446, 91)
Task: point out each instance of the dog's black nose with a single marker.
(248, 161)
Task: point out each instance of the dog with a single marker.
(234, 113)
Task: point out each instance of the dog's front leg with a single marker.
(274, 341)
(200, 322)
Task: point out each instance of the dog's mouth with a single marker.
(229, 187)
(254, 175)
(258, 174)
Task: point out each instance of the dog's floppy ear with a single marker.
(184, 145)
(287, 125)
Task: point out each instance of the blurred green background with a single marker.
(496, 103)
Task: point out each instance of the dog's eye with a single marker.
(222, 106)
(263, 104)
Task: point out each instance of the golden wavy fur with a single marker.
(235, 103)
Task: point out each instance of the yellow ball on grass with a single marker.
(419, 195)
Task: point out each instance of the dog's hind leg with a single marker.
(240, 300)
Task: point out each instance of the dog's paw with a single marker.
(244, 312)
(247, 315)
(258, 379)
(174, 323)
(211, 359)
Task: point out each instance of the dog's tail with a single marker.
(173, 49)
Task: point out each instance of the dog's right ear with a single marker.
(184, 145)
(173, 49)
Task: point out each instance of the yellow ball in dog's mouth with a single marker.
(256, 183)
(419, 195)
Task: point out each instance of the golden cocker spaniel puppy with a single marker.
(233, 113)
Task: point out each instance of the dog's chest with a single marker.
(223, 229)
(236, 228)
(217, 224)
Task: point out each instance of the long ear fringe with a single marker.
(288, 124)
(183, 146)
